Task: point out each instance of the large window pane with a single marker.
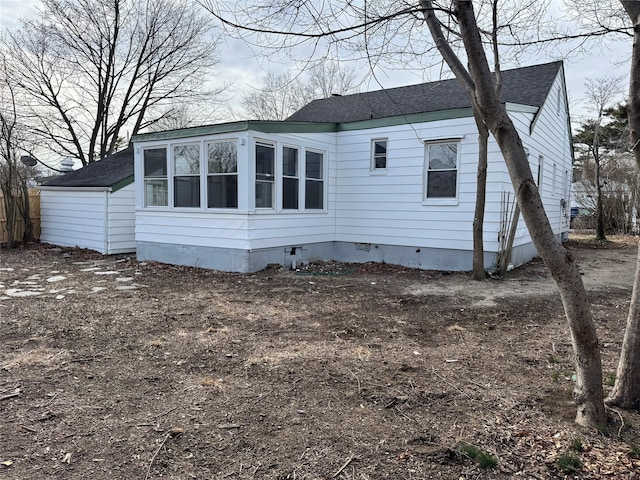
(313, 194)
(290, 162)
(289, 193)
(155, 162)
(222, 191)
(314, 165)
(155, 193)
(443, 156)
(223, 157)
(186, 160)
(441, 184)
(186, 191)
(264, 194)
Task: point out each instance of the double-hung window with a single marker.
(379, 154)
(222, 175)
(314, 182)
(155, 177)
(441, 170)
(265, 175)
(186, 175)
(290, 178)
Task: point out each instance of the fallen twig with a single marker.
(345, 465)
(357, 380)
(449, 383)
(11, 395)
(156, 454)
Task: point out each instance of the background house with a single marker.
(93, 207)
(380, 176)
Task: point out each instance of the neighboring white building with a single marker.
(93, 207)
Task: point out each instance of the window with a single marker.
(265, 175)
(222, 175)
(186, 176)
(442, 170)
(290, 180)
(540, 171)
(155, 177)
(378, 154)
(314, 183)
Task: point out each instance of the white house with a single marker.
(93, 207)
(386, 176)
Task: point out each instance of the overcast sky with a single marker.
(240, 65)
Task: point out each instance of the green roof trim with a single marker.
(314, 127)
(232, 127)
(406, 119)
(122, 183)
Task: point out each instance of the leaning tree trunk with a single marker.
(626, 390)
(478, 272)
(478, 82)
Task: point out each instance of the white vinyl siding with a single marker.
(97, 220)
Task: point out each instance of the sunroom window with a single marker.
(222, 175)
(186, 175)
(155, 177)
(290, 178)
(314, 183)
(441, 170)
(265, 175)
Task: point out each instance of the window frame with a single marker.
(285, 177)
(321, 180)
(373, 156)
(207, 174)
(156, 178)
(174, 177)
(274, 175)
(453, 200)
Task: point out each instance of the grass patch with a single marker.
(610, 379)
(635, 450)
(552, 359)
(484, 459)
(568, 463)
(577, 445)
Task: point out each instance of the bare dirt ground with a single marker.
(115, 369)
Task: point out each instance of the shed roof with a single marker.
(112, 171)
(524, 86)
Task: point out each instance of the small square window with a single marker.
(379, 154)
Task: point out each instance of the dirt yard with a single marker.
(115, 369)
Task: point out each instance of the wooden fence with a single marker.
(34, 209)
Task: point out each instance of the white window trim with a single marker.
(275, 196)
(144, 177)
(325, 178)
(172, 175)
(425, 168)
(372, 158)
(280, 179)
(205, 174)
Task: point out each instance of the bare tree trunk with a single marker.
(478, 272)
(478, 82)
(626, 391)
(600, 236)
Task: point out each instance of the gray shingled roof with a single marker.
(106, 173)
(525, 86)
